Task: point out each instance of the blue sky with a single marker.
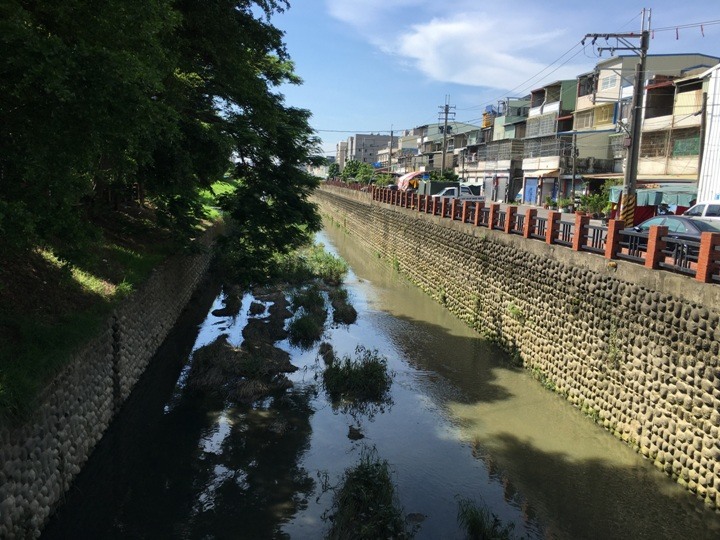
(376, 65)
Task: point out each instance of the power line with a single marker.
(689, 25)
(525, 84)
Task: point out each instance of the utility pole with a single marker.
(632, 142)
(391, 149)
(445, 113)
(574, 169)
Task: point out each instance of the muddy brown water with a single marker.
(461, 423)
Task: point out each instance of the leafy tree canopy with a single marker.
(155, 97)
(358, 171)
(333, 170)
(446, 176)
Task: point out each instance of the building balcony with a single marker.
(545, 108)
(673, 166)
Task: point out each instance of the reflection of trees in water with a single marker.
(511, 494)
(200, 472)
(251, 482)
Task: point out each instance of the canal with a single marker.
(462, 422)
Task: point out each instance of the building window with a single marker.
(686, 147)
(586, 85)
(606, 83)
(584, 120)
(604, 114)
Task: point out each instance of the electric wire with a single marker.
(525, 85)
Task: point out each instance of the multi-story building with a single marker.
(709, 178)
(549, 118)
(493, 155)
(429, 141)
(397, 156)
(321, 171)
(603, 110)
(341, 154)
(365, 147)
(672, 125)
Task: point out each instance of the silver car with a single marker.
(705, 210)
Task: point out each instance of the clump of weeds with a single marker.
(481, 524)
(363, 378)
(365, 505)
(310, 263)
(308, 326)
(343, 311)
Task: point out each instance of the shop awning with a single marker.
(542, 173)
(404, 181)
(680, 194)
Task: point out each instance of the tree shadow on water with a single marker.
(594, 498)
(199, 468)
(467, 362)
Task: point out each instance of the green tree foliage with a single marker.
(333, 170)
(100, 100)
(358, 171)
(447, 176)
(79, 82)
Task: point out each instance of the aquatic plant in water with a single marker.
(481, 524)
(363, 378)
(308, 326)
(365, 505)
(343, 311)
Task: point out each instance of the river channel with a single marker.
(462, 422)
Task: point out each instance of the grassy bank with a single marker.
(49, 307)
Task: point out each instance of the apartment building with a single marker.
(364, 148)
(709, 177)
(602, 117)
(493, 155)
(550, 117)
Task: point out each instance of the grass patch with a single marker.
(366, 506)
(516, 313)
(309, 263)
(305, 330)
(51, 306)
(36, 351)
(209, 198)
(539, 375)
(363, 378)
(481, 524)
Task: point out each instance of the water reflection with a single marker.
(192, 470)
(463, 423)
(554, 464)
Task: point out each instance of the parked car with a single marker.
(683, 227)
(706, 210)
(466, 194)
(679, 227)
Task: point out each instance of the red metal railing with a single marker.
(656, 250)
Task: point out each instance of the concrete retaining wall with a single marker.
(39, 460)
(637, 350)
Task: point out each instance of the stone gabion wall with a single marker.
(636, 350)
(40, 459)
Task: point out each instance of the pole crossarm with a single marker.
(628, 199)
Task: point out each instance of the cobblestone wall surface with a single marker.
(39, 459)
(636, 350)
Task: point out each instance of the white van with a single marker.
(706, 210)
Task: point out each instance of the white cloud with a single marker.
(478, 50)
(466, 45)
(365, 15)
